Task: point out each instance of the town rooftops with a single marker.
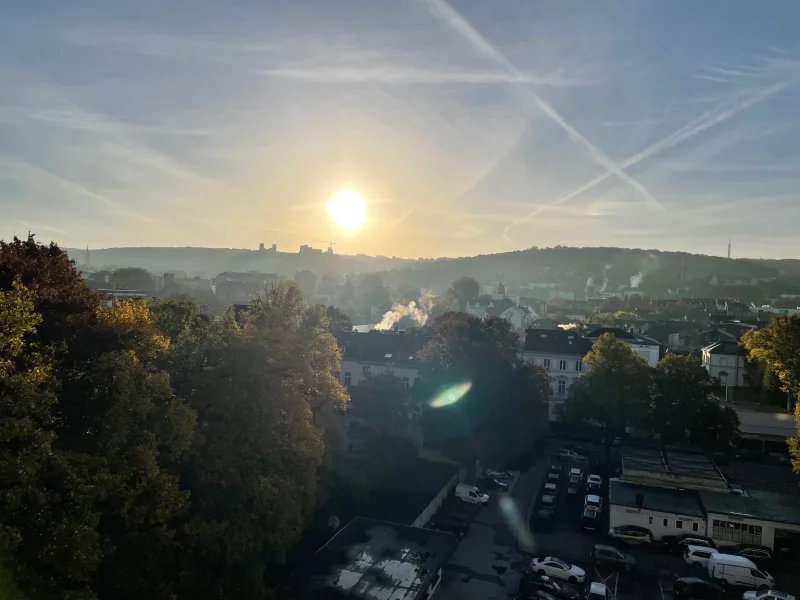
(671, 467)
(767, 506)
(618, 333)
(556, 341)
(377, 560)
(663, 500)
(396, 347)
(726, 348)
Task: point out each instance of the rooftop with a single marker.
(663, 500)
(672, 466)
(378, 560)
(396, 347)
(726, 348)
(767, 506)
(618, 333)
(556, 341)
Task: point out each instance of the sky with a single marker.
(468, 126)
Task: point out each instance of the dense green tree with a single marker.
(94, 516)
(387, 404)
(778, 346)
(133, 278)
(337, 320)
(465, 289)
(614, 390)
(683, 409)
(481, 400)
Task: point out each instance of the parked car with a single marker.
(547, 501)
(603, 554)
(553, 477)
(597, 591)
(576, 474)
(567, 454)
(593, 500)
(551, 488)
(555, 468)
(696, 557)
(572, 492)
(676, 544)
(535, 595)
(499, 474)
(534, 581)
(594, 480)
(695, 588)
(558, 569)
(632, 534)
(766, 595)
(449, 523)
(543, 519)
(738, 570)
(470, 494)
(761, 555)
(491, 483)
(591, 518)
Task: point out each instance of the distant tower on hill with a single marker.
(729, 248)
(86, 258)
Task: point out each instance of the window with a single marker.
(678, 524)
(347, 379)
(666, 522)
(695, 527)
(562, 387)
(649, 520)
(745, 379)
(562, 365)
(579, 366)
(546, 363)
(366, 370)
(739, 533)
(723, 378)
(406, 382)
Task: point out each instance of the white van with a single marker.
(471, 494)
(738, 570)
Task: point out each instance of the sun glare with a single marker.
(348, 209)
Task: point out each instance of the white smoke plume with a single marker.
(604, 286)
(589, 284)
(418, 310)
(569, 326)
(636, 280)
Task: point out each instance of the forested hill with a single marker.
(574, 268)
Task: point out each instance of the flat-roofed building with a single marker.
(671, 467)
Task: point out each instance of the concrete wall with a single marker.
(625, 515)
(437, 501)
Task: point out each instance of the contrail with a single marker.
(705, 121)
(457, 22)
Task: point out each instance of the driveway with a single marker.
(487, 564)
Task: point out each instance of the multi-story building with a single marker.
(649, 349)
(727, 363)
(561, 353)
(365, 355)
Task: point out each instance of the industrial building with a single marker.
(671, 491)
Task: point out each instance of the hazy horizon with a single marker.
(468, 127)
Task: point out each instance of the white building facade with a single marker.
(727, 363)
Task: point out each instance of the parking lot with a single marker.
(492, 558)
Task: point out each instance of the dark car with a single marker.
(694, 587)
(591, 518)
(676, 544)
(492, 483)
(543, 519)
(760, 555)
(609, 555)
(555, 468)
(449, 523)
(533, 582)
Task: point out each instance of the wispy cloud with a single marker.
(41, 227)
(691, 129)
(458, 23)
(414, 76)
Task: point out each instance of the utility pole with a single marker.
(729, 248)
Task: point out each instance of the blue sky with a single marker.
(470, 127)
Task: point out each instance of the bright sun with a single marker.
(348, 209)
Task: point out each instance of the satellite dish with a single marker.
(333, 522)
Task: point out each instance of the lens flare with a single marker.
(451, 395)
